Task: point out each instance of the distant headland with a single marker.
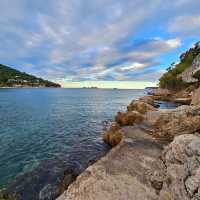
(12, 78)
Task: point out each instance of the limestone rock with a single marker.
(189, 74)
(114, 135)
(131, 171)
(162, 92)
(173, 122)
(196, 97)
(182, 161)
(140, 107)
(147, 99)
(128, 118)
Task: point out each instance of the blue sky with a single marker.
(74, 42)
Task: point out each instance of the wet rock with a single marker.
(140, 107)
(47, 192)
(182, 161)
(69, 177)
(128, 118)
(196, 97)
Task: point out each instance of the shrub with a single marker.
(169, 80)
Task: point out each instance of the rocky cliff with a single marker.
(191, 75)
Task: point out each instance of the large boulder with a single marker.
(114, 135)
(190, 75)
(140, 106)
(128, 118)
(147, 99)
(169, 123)
(162, 92)
(196, 97)
(182, 163)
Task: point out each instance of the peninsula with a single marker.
(12, 78)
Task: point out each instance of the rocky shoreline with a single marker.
(155, 152)
(155, 155)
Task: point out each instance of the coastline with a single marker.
(143, 139)
(26, 87)
(140, 137)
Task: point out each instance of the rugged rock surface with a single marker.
(162, 92)
(114, 135)
(140, 106)
(184, 101)
(128, 118)
(169, 123)
(196, 97)
(147, 99)
(132, 170)
(182, 161)
(190, 75)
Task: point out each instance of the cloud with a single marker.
(186, 25)
(91, 39)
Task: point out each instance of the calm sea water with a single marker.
(40, 126)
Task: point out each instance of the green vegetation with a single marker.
(10, 77)
(170, 79)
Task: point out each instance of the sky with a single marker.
(102, 43)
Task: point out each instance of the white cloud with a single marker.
(186, 25)
(60, 38)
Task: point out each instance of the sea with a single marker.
(46, 132)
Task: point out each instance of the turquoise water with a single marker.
(42, 125)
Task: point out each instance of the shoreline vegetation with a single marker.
(155, 152)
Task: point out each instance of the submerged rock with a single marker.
(69, 177)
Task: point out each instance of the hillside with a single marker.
(10, 77)
(172, 79)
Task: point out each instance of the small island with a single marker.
(90, 88)
(12, 78)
